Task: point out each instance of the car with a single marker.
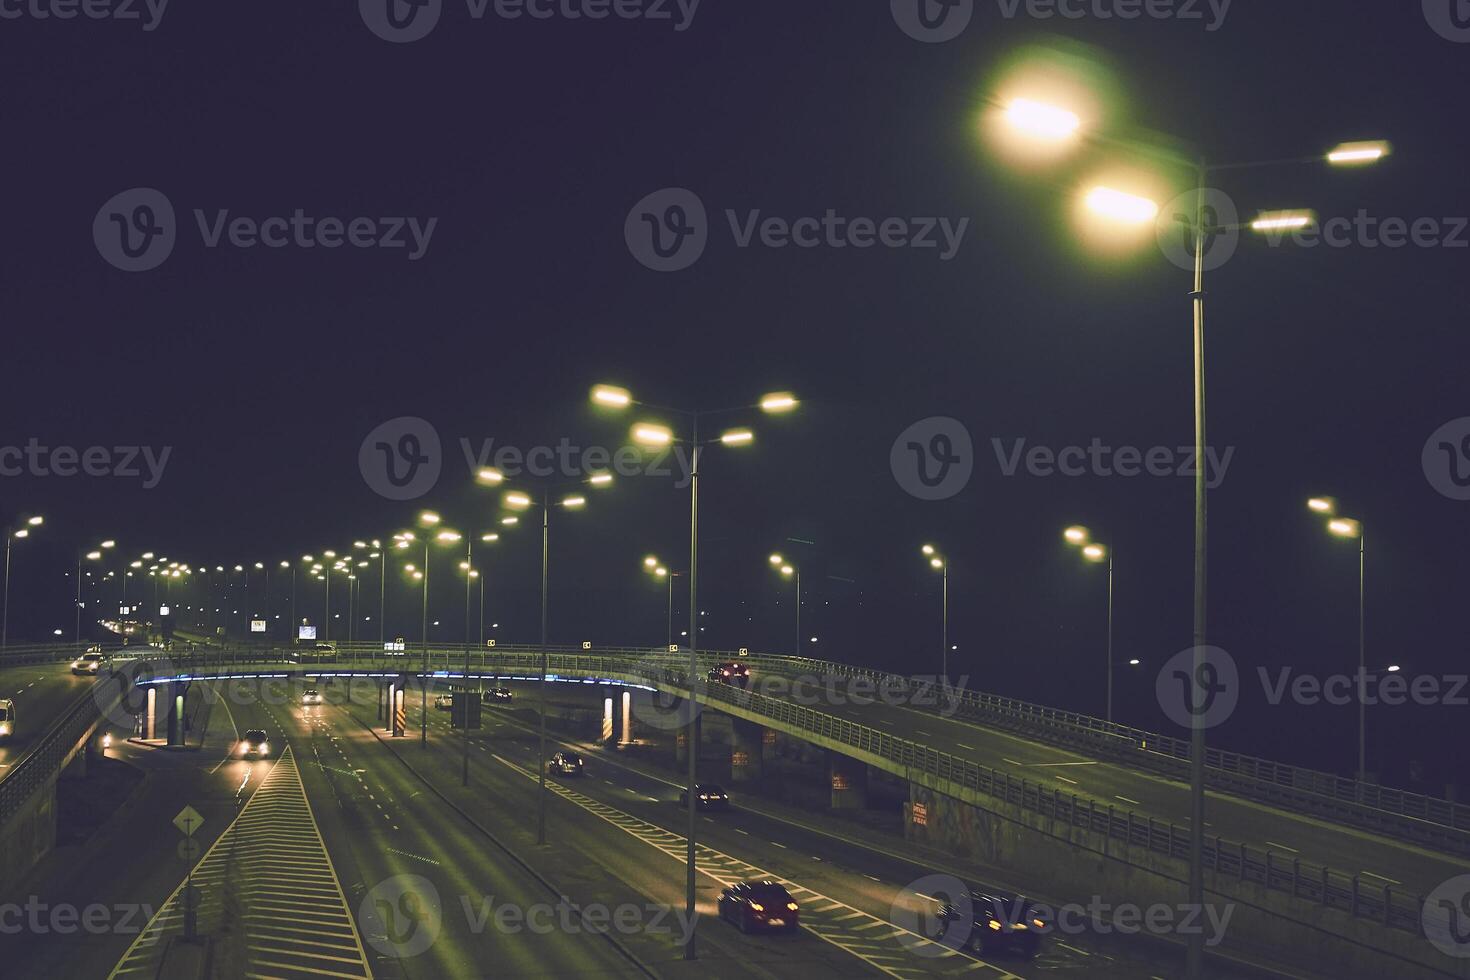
(998, 921)
(730, 672)
(444, 702)
(566, 764)
(7, 718)
(760, 905)
(311, 696)
(255, 744)
(91, 663)
(495, 694)
(710, 796)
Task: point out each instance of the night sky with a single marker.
(263, 369)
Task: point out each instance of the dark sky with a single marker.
(530, 141)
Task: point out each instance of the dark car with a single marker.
(709, 797)
(255, 745)
(493, 694)
(566, 764)
(730, 672)
(998, 922)
(757, 905)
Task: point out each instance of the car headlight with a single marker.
(4, 729)
(757, 907)
(791, 906)
(265, 748)
(994, 925)
(1038, 923)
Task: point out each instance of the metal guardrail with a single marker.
(1289, 787)
(1375, 902)
(47, 754)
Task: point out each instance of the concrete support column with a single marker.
(174, 693)
(624, 716)
(747, 751)
(606, 725)
(849, 781)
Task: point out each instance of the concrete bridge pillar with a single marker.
(617, 707)
(849, 781)
(747, 751)
(175, 694)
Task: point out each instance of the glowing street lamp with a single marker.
(940, 565)
(1081, 538)
(658, 570)
(1121, 206)
(1346, 527)
(790, 570)
(12, 535)
(658, 436)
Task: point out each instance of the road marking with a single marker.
(271, 873)
(1012, 762)
(1391, 881)
(1066, 780)
(1272, 843)
(1127, 800)
(964, 746)
(816, 919)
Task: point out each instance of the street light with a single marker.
(1079, 537)
(520, 500)
(941, 565)
(791, 571)
(1118, 205)
(658, 436)
(657, 569)
(1346, 527)
(11, 535)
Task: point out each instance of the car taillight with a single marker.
(791, 906)
(757, 907)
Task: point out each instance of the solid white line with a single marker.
(1066, 780)
(1391, 881)
(1134, 802)
(1273, 843)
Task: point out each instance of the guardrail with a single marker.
(1314, 883)
(1296, 788)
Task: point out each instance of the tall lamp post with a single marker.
(1046, 123)
(13, 534)
(1346, 527)
(93, 555)
(429, 522)
(519, 500)
(1080, 537)
(791, 571)
(660, 436)
(660, 571)
(941, 565)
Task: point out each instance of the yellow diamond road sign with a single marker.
(188, 820)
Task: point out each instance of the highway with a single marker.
(1378, 859)
(39, 692)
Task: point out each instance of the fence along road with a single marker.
(271, 899)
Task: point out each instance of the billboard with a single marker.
(257, 626)
(306, 633)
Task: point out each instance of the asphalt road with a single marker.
(1378, 860)
(39, 693)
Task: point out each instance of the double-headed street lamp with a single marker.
(1080, 537)
(941, 565)
(94, 555)
(520, 500)
(1346, 527)
(660, 571)
(375, 549)
(790, 570)
(1055, 126)
(430, 532)
(658, 436)
(471, 577)
(13, 534)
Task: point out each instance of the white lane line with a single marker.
(739, 831)
(1066, 780)
(1272, 843)
(1012, 762)
(964, 746)
(1127, 800)
(1370, 874)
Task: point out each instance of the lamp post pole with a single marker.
(692, 730)
(1194, 952)
(541, 687)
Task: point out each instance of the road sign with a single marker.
(489, 643)
(586, 644)
(673, 648)
(744, 651)
(188, 820)
(257, 626)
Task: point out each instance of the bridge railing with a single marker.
(44, 759)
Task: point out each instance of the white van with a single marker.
(7, 718)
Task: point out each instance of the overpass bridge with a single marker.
(974, 758)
